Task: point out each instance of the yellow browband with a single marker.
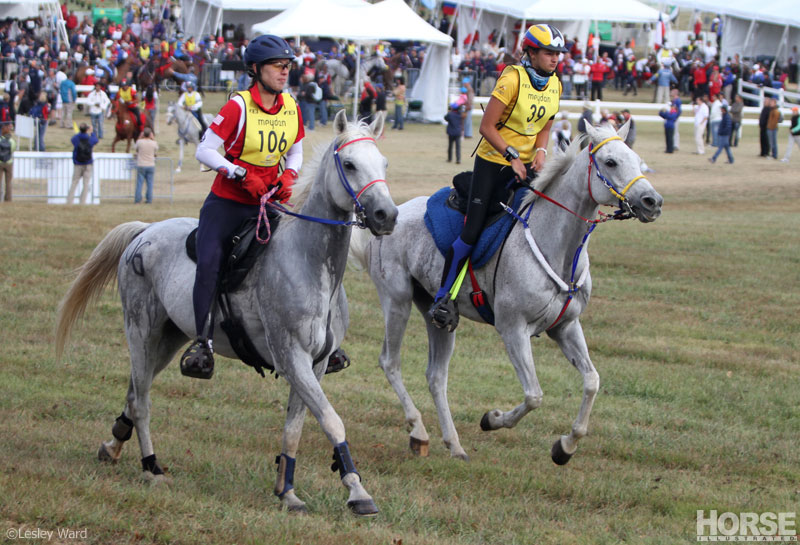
(621, 194)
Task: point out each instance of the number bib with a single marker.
(267, 137)
(525, 118)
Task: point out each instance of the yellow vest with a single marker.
(525, 117)
(126, 94)
(190, 99)
(267, 137)
(144, 52)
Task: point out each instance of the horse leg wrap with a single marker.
(285, 480)
(150, 464)
(343, 461)
(123, 428)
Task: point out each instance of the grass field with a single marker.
(693, 328)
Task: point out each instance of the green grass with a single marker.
(692, 327)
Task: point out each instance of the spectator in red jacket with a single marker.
(598, 72)
(700, 78)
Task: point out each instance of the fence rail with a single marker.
(48, 175)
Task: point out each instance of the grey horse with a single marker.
(292, 304)
(530, 283)
(188, 128)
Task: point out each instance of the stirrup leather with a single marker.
(444, 314)
(198, 360)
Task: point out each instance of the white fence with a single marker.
(574, 108)
(48, 175)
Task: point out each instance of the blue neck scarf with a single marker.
(538, 81)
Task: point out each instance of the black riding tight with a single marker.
(489, 185)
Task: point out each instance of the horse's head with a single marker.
(616, 176)
(362, 172)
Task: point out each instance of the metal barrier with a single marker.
(48, 175)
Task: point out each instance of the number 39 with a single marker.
(538, 113)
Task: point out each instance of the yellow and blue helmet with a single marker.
(544, 36)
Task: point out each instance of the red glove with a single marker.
(254, 185)
(285, 183)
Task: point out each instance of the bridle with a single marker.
(361, 218)
(624, 205)
(359, 208)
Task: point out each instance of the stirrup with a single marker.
(198, 360)
(337, 361)
(444, 313)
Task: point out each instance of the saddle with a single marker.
(444, 219)
(242, 253)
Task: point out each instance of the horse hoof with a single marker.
(363, 508)
(558, 455)
(105, 456)
(461, 456)
(418, 446)
(297, 509)
(155, 480)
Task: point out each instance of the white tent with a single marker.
(201, 17)
(572, 17)
(245, 12)
(333, 18)
(361, 22)
(19, 9)
(767, 27)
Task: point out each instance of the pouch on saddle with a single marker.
(242, 252)
(444, 218)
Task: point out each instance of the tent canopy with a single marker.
(768, 27)
(359, 21)
(257, 5)
(352, 20)
(618, 11)
(779, 12)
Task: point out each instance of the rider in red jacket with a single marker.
(257, 128)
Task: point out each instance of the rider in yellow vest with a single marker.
(127, 96)
(191, 101)
(257, 128)
(515, 130)
(144, 52)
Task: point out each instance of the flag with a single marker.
(75, 127)
(449, 8)
(660, 31)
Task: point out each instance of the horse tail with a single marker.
(93, 276)
(357, 257)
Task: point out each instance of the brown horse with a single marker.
(126, 127)
(127, 68)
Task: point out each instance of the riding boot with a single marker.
(444, 311)
(198, 360)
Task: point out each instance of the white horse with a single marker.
(538, 282)
(291, 304)
(342, 78)
(188, 128)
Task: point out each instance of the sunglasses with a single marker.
(281, 65)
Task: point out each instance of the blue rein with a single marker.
(360, 220)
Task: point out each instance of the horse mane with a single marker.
(309, 170)
(554, 169)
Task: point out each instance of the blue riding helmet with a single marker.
(266, 48)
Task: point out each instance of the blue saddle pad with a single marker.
(445, 224)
